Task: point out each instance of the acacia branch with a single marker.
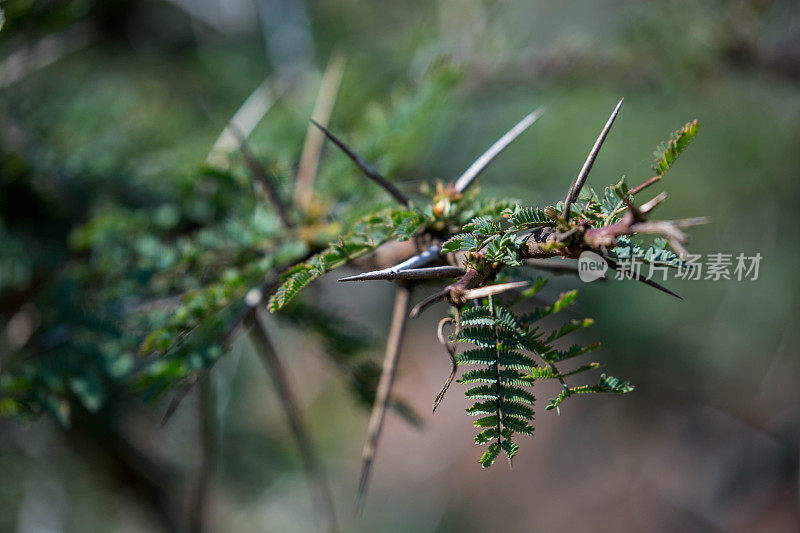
(390, 360)
(314, 472)
(580, 179)
(365, 167)
(468, 177)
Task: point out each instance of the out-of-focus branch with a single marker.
(316, 476)
(46, 51)
(198, 506)
(267, 182)
(101, 441)
(365, 167)
(312, 147)
(243, 122)
(393, 347)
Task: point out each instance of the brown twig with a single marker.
(314, 472)
(430, 300)
(580, 179)
(365, 167)
(312, 146)
(393, 348)
(451, 351)
(645, 185)
(468, 177)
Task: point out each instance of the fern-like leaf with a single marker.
(366, 235)
(522, 218)
(668, 152)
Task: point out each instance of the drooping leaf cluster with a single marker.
(505, 355)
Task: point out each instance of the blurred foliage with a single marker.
(177, 262)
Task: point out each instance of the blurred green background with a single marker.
(116, 100)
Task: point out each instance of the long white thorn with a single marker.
(480, 164)
(580, 179)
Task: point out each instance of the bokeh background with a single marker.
(113, 97)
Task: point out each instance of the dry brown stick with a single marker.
(393, 348)
(365, 167)
(312, 147)
(580, 179)
(314, 472)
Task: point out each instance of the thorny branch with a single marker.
(566, 237)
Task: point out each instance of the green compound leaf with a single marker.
(505, 369)
(366, 235)
(668, 152)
